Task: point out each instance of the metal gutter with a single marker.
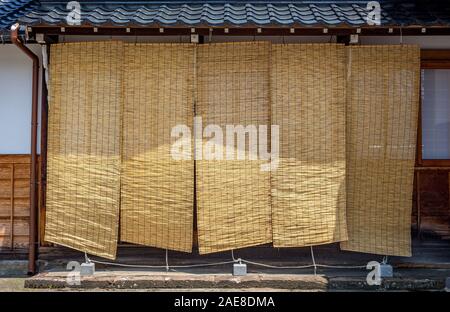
(32, 248)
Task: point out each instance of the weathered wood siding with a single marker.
(432, 192)
(14, 201)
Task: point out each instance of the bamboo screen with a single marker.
(308, 104)
(84, 147)
(233, 196)
(157, 190)
(347, 145)
(383, 95)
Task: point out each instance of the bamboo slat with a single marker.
(308, 104)
(382, 108)
(233, 196)
(157, 190)
(83, 186)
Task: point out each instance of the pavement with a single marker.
(13, 284)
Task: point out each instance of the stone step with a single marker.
(175, 280)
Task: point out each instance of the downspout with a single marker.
(32, 247)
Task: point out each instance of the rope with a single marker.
(341, 266)
(160, 266)
(234, 260)
(277, 267)
(167, 260)
(313, 260)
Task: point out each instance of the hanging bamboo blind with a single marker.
(84, 147)
(383, 95)
(347, 145)
(157, 190)
(233, 196)
(308, 104)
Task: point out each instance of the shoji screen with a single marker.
(308, 104)
(83, 188)
(233, 197)
(157, 189)
(383, 95)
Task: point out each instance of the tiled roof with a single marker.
(220, 13)
(11, 10)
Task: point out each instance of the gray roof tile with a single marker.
(11, 10)
(221, 12)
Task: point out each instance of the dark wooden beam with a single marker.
(51, 39)
(343, 39)
(435, 59)
(43, 158)
(241, 31)
(431, 54)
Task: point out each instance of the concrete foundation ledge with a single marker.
(172, 280)
(132, 280)
(394, 284)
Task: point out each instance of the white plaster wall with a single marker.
(425, 42)
(15, 99)
(186, 39)
(131, 39)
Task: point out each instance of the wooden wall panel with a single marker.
(20, 233)
(432, 190)
(14, 168)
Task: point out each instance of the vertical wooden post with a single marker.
(11, 219)
(418, 220)
(43, 158)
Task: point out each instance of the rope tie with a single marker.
(313, 260)
(86, 258)
(401, 35)
(167, 260)
(234, 260)
(239, 260)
